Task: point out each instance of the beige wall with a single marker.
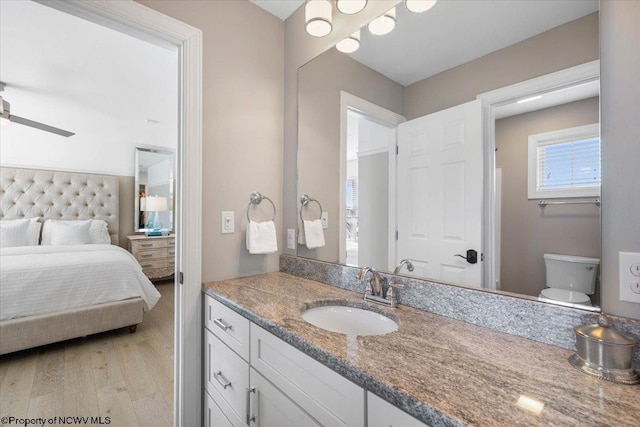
(570, 44)
(243, 57)
(620, 132)
(319, 86)
(528, 231)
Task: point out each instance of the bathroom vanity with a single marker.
(266, 366)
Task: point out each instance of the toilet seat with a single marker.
(565, 295)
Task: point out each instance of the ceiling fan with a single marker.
(5, 114)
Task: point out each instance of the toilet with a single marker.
(570, 279)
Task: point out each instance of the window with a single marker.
(565, 163)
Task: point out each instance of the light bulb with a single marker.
(318, 18)
(349, 7)
(419, 6)
(383, 24)
(350, 44)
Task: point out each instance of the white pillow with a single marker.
(68, 232)
(98, 230)
(14, 232)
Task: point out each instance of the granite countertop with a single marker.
(443, 371)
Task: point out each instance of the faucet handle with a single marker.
(396, 285)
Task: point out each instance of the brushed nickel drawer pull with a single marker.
(146, 265)
(222, 324)
(146, 255)
(146, 245)
(222, 380)
(250, 418)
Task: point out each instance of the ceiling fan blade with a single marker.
(38, 125)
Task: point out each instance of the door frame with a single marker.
(388, 118)
(140, 21)
(583, 73)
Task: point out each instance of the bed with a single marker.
(53, 293)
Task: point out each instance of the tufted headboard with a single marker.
(27, 193)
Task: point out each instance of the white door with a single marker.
(439, 193)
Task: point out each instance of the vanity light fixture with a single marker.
(350, 7)
(350, 44)
(419, 6)
(383, 24)
(533, 98)
(317, 17)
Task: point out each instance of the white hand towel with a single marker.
(313, 234)
(261, 237)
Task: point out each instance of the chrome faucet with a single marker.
(375, 277)
(382, 291)
(399, 265)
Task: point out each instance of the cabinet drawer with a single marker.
(144, 244)
(147, 264)
(213, 415)
(327, 396)
(271, 408)
(229, 326)
(227, 379)
(383, 414)
(147, 254)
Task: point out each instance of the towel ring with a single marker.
(256, 198)
(304, 201)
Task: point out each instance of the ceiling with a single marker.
(107, 87)
(451, 33)
(280, 8)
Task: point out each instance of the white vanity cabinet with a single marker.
(383, 414)
(254, 378)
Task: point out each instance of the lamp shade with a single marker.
(419, 6)
(350, 44)
(349, 7)
(317, 14)
(383, 24)
(156, 204)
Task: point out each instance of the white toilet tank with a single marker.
(573, 273)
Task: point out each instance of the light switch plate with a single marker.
(291, 238)
(629, 277)
(228, 222)
(324, 219)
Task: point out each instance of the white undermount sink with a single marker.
(349, 320)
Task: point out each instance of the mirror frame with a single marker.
(136, 203)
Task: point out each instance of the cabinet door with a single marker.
(323, 393)
(383, 414)
(270, 408)
(213, 416)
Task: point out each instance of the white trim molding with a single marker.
(139, 21)
(387, 118)
(583, 73)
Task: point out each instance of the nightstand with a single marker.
(156, 254)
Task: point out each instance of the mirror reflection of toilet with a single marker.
(570, 279)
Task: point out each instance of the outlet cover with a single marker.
(325, 219)
(291, 238)
(629, 279)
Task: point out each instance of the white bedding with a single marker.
(47, 279)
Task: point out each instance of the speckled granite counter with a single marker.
(440, 370)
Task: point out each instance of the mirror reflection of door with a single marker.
(370, 148)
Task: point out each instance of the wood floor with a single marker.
(127, 377)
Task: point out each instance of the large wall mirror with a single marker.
(155, 189)
(408, 163)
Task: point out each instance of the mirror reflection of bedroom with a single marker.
(86, 220)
